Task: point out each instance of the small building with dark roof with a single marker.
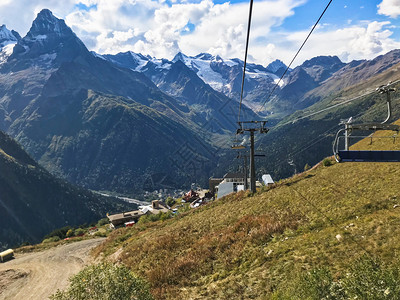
(120, 219)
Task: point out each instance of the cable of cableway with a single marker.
(330, 107)
(245, 57)
(297, 53)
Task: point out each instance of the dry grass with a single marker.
(246, 247)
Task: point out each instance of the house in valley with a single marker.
(126, 218)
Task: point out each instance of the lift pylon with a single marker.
(252, 127)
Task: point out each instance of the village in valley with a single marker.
(177, 201)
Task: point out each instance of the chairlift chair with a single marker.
(237, 145)
(347, 155)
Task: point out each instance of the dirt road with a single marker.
(38, 275)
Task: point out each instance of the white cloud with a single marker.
(364, 41)
(162, 28)
(223, 30)
(103, 26)
(389, 8)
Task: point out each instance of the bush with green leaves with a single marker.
(327, 162)
(103, 282)
(367, 279)
(153, 218)
(170, 201)
(52, 239)
(102, 222)
(60, 232)
(79, 232)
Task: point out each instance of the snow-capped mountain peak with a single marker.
(276, 65)
(49, 40)
(180, 56)
(223, 75)
(218, 73)
(204, 56)
(47, 24)
(7, 37)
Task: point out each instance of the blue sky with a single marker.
(350, 29)
(340, 13)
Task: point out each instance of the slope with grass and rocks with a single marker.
(256, 246)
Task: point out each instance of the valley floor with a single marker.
(38, 275)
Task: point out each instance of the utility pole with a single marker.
(245, 157)
(252, 127)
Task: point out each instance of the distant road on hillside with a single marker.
(38, 275)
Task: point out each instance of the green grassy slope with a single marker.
(381, 140)
(248, 247)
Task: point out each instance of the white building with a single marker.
(231, 183)
(267, 179)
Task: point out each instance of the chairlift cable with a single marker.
(319, 138)
(367, 155)
(298, 51)
(245, 57)
(306, 145)
(329, 107)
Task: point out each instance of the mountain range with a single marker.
(116, 122)
(51, 86)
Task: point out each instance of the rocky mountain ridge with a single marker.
(50, 77)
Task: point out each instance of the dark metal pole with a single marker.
(260, 127)
(252, 166)
(246, 185)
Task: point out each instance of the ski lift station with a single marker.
(235, 182)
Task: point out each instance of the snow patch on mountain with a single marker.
(203, 64)
(6, 37)
(6, 51)
(279, 82)
(206, 73)
(140, 59)
(231, 63)
(260, 74)
(41, 37)
(161, 64)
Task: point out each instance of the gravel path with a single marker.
(38, 275)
